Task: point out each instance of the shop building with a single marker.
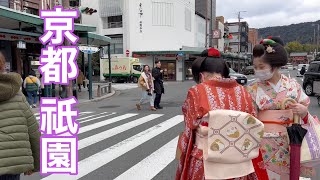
(151, 30)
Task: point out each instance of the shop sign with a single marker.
(216, 34)
(21, 45)
(13, 37)
(140, 19)
(89, 49)
(7, 66)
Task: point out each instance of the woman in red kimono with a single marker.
(215, 91)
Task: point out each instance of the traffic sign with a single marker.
(89, 49)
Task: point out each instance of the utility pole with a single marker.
(211, 26)
(69, 88)
(206, 24)
(239, 24)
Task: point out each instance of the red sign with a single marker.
(298, 58)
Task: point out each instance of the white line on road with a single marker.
(117, 130)
(153, 164)
(105, 122)
(99, 159)
(87, 117)
(99, 117)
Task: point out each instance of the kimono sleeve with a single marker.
(192, 110)
(302, 98)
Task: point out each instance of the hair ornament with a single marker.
(270, 49)
(212, 52)
(269, 42)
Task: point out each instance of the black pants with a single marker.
(10, 177)
(157, 100)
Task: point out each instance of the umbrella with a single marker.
(296, 134)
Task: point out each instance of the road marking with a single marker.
(105, 122)
(99, 159)
(149, 167)
(87, 117)
(114, 131)
(97, 118)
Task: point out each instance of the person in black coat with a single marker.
(303, 70)
(158, 84)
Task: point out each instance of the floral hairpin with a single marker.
(268, 43)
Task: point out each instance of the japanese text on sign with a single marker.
(59, 143)
(140, 13)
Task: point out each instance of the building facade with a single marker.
(253, 38)
(150, 26)
(235, 41)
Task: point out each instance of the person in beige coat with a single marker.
(80, 80)
(146, 84)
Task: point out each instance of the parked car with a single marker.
(290, 67)
(248, 70)
(299, 69)
(313, 74)
(240, 78)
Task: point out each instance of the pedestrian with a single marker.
(80, 80)
(20, 136)
(268, 93)
(215, 90)
(32, 84)
(157, 74)
(303, 70)
(146, 84)
(41, 86)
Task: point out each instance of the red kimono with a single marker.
(202, 98)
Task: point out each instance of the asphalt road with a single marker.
(118, 142)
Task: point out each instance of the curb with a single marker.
(113, 92)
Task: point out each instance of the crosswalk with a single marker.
(100, 128)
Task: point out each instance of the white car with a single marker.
(299, 69)
(290, 67)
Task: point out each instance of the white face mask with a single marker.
(264, 75)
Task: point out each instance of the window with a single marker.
(187, 19)
(113, 22)
(116, 47)
(162, 14)
(137, 68)
(314, 67)
(4, 3)
(74, 3)
(33, 11)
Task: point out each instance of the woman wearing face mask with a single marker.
(215, 90)
(268, 92)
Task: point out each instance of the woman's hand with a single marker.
(299, 109)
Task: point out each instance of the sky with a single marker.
(266, 13)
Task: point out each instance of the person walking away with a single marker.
(146, 84)
(80, 80)
(20, 136)
(267, 94)
(215, 90)
(303, 70)
(158, 84)
(32, 84)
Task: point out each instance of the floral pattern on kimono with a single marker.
(276, 152)
(211, 95)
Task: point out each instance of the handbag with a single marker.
(310, 148)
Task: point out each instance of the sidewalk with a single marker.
(83, 96)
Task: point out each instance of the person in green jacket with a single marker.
(19, 129)
(32, 85)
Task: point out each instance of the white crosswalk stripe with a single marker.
(151, 164)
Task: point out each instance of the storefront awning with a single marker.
(165, 52)
(34, 20)
(24, 33)
(94, 39)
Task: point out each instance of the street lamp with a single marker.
(317, 37)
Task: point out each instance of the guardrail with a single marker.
(103, 89)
